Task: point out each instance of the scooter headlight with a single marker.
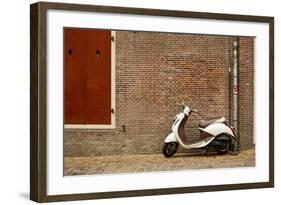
(186, 110)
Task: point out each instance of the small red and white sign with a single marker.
(235, 90)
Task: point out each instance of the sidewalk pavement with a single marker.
(154, 162)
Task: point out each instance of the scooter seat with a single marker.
(205, 123)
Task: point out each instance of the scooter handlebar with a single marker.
(191, 110)
(195, 111)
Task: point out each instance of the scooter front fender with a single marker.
(171, 138)
(217, 129)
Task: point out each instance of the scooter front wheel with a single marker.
(170, 148)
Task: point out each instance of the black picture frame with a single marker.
(38, 101)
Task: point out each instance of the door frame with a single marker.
(113, 75)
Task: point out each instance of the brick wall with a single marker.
(246, 91)
(154, 72)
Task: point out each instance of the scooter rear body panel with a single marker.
(216, 129)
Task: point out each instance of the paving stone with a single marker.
(154, 162)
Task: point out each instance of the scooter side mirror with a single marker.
(181, 104)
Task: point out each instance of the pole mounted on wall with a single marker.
(235, 88)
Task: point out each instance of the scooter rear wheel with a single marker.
(223, 149)
(169, 149)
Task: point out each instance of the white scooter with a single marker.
(217, 135)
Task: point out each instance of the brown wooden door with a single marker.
(87, 76)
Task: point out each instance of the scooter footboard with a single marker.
(171, 138)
